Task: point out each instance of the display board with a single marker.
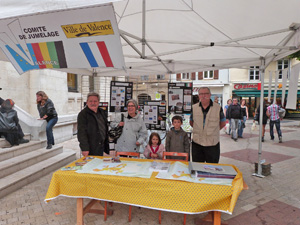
(180, 97)
(120, 93)
(155, 115)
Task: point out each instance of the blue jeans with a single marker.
(234, 127)
(49, 132)
(241, 129)
(277, 125)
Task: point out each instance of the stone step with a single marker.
(4, 143)
(20, 162)
(8, 153)
(27, 175)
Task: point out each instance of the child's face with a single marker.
(154, 140)
(176, 124)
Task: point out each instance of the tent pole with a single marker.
(262, 78)
(144, 28)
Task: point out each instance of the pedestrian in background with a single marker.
(273, 113)
(245, 116)
(234, 115)
(265, 119)
(229, 102)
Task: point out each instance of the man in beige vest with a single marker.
(207, 119)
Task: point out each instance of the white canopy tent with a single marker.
(175, 36)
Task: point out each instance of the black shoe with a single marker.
(49, 146)
(262, 139)
(240, 136)
(272, 139)
(23, 141)
(235, 139)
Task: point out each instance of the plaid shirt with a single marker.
(274, 112)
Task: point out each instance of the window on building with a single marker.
(160, 77)
(143, 97)
(254, 73)
(281, 65)
(72, 82)
(144, 77)
(185, 76)
(208, 74)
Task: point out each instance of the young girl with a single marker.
(154, 149)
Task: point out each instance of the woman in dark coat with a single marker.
(47, 112)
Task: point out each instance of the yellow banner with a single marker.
(88, 29)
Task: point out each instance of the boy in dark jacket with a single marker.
(177, 139)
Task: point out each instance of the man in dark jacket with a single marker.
(234, 115)
(93, 128)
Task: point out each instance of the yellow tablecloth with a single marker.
(166, 195)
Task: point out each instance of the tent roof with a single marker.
(175, 36)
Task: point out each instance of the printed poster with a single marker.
(155, 115)
(63, 39)
(180, 97)
(120, 93)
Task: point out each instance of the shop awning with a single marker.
(256, 93)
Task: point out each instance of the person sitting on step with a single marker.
(9, 123)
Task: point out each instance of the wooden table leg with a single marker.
(217, 218)
(79, 211)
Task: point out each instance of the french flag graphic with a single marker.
(97, 54)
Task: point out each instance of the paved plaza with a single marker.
(272, 200)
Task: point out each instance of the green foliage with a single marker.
(295, 55)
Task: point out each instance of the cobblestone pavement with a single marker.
(274, 199)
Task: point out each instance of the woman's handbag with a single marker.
(115, 133)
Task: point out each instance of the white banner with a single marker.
(276, 86)
(293, 88)
(284, 80)
(78, 38)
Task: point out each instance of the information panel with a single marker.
(155, 115)
(120, 93)
(180, 97)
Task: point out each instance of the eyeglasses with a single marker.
(130, 106)
(204, 93)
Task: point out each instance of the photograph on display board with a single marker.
(155, 115)
(180, 97)
(120, 93)
(176, 99)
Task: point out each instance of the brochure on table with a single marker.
(180, 97)
(155, 115)
(120, 93)
(215, 171)
(180, 171)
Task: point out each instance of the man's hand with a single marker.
(121, 124)
(137, 143)
(85, 153)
